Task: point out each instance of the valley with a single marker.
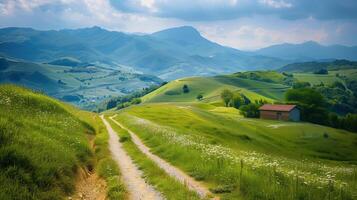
(90, 113)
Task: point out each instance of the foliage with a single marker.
(321, 71)
(199, 97)
(226, 96)
(185, 89)
(251, 110)
(311, 103)
(301, 84)
(127, 100)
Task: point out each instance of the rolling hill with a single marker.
(170, 53)
(240, 158)
(211, 87)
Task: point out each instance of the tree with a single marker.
(199, 97)
(251, 110)
(312, 104)
(185, 89)
(321, 71)
(237, 100)
(299, 84)
(227, 96)
(111, 104)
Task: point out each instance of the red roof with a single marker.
(277, 107)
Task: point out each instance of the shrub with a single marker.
(227, 96)
(199, 97)
(251, 110)
(185, 89)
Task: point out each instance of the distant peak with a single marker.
(187, 32)
(310, 42)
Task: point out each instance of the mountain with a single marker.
(169, 54)
(309, 51)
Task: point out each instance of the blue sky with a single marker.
(243, 24)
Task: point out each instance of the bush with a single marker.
(199, 97)
(227, 96)
(321, 71)
(185, 89)
(251, 110)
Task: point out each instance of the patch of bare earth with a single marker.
(89, 187)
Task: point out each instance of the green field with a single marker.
(44, 143)
(280, 160)
(211, 87)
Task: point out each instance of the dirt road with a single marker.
(178, 174)
(132, 177)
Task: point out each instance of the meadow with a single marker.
(239, 158)
(44, 143)
(211, 87)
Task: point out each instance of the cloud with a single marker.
(244, 24)
(207, 10)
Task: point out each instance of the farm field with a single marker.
(239, 158)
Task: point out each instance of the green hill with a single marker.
(42, 144)
(211, 87)
(280, 160)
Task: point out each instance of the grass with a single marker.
(211, 87)
(249, 158)
(315, 79)
(157, 177)
(42, 144)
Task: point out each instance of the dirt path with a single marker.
(89, 187)
(178, 174)
(137, 187)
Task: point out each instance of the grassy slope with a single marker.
(211, 87)
(42, 144)
(208, 142)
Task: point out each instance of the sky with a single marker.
(242, 24)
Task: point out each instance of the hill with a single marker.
(42, 144)
(170, 53)
(309, 51)
(210, 88)
(316, 66)
(239, 158)
(82, 84)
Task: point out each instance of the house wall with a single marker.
(295, 115)
(274, 115)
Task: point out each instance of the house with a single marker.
(280, 112)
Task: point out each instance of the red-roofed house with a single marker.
(280, 112)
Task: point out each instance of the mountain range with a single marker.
(309, 51)
(169, 54)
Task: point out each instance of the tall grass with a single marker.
(41, 146)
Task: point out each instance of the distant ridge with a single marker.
(309, 51)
